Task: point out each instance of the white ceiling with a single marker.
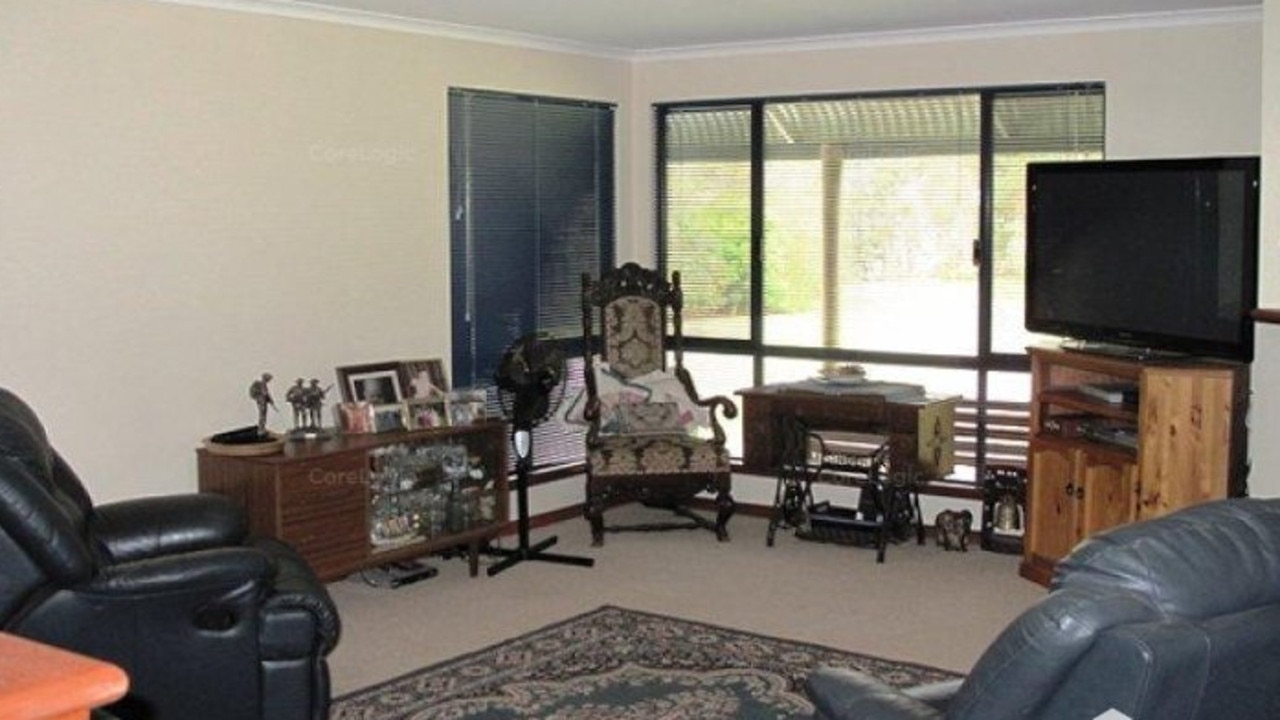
(650, 26)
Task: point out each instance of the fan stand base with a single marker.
(511, 556)
(520, 438)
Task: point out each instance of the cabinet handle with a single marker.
(1080, 493)
(1071, 489)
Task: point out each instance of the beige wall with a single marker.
(191, 196)
(1265, 420)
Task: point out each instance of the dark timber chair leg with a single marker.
(726, 507)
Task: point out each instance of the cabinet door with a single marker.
(1051, 522)
(1106, 492)
(324, 511)
(1185, 435)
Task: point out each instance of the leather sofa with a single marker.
(208, 623)
(1176, 618)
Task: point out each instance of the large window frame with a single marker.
(986, 361)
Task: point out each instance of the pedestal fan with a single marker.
(530, 379)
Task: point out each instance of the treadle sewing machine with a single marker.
(921, 428)
(884, 438)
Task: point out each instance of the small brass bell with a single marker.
(1008, 515)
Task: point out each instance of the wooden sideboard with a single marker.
(41, 682)
(358, 501)
(921, 430)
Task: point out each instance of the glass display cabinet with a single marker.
(355, 502)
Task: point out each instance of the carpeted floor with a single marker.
(620, 664)
(922, 605)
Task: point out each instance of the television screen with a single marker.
(1152, 256)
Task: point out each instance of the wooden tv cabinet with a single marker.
(353, 502)
(1096, 462)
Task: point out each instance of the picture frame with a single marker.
(426, 413)
(466, 407)
(354, 418)
(423, 379)
(389, 418)
(374, 383)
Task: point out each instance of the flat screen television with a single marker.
(1144, 257)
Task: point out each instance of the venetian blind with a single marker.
(531, 198)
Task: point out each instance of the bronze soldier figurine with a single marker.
(297, 398)
(261, 394)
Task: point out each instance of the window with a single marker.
(531, 197)
(884, 229)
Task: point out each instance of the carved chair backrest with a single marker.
(633, 305)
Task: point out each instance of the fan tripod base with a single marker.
(521, 439)
(511, 556)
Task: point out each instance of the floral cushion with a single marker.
(649, 417)
(633, 335)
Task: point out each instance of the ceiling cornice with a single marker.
(379, 21)
(309, 11)
(963, 33)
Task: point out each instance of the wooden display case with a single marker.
(358, 501)
(1094, 463)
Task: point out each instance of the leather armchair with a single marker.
(1176, 618)
(207, 622)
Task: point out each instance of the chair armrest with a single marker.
(198, 572)
(937, 695)
(727, 406)
(150, 527)
(172, 623)
(297, 588)
(843, 694)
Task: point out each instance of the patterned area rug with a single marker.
(624, 664)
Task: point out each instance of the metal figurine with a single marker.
(296, 397)
(314, 396)
(261, 394)
(308, 409)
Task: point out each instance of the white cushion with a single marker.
(677, 411)
(665, 387)
(612, 389)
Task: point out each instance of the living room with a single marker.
(207, 194)
(198, 192)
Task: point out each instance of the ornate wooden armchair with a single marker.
(650, 438)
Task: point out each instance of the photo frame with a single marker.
(466, 407)
(375, 383)
(354, 418)
(389, 418)
(423, 379)
(426, 413)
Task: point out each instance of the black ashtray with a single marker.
(247, 435)
(246, 441)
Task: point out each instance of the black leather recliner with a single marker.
(1176, 618)
(209, 623)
